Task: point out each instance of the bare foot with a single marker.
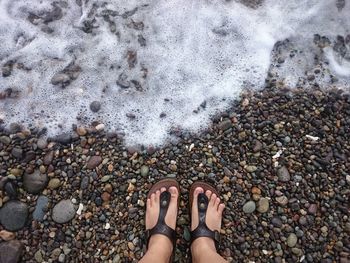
(213, 218)
(160, 243)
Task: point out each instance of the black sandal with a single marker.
(161, 227)
(202, 229)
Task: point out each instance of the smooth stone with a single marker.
(292, 240)
(95, 106)
(64, 138)
(36, 182)
(5, 140)
(227, 172)
(282, 200)
(263, 205)
(312, 209)
(63, 212)
(251, 168)
(257, 146)
(54, 183)
(11, 251)
(60, 78)
(13, 215)
(41, 143)
(283, 174)
(187, 234)
(40, 208)
(84, 183)
(17, 153)
(249, 207)
(48, 158)
(93, 162)
(7, 235)
(144, 170)
(11, 189)
(38, 256)
(225, 125)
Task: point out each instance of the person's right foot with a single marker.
(213, 216)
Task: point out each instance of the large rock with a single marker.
(63, 212)
(11, 252)
(36, 182)
(13, 215)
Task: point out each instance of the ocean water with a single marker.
(158, 65)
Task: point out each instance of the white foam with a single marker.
(196, 51)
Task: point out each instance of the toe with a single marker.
(157, 197)
(217, 202)
(221, 208)
(212, 199)
(163, 189)
(149, 203)
(173, 199)
(153, 199)
(208, 194)
(194, 214)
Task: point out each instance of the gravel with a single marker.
(89, 196)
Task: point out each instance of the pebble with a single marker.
(54, 183)
(11, 251)
(38, 256)
(283, 174)
(144, 170)
(251, 168)
(5, 140)
(48, 158)
(40, 208)
(17, 153)
(249, 207)
(63, 212)
(95, 106)
(41, 143)
(93, 162)
(13, 215)
(263, 205)
(7, 235)
(282, 200)
(225, 125)
(292, 240)
(36, 182)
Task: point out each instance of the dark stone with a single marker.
(225, 125)
(13, 215)
(40, 208)
(48, 158)
(95, 106)
(11, 251)
(17, 153)
(64, 138)
(11, 190)
(283, 174)
(35, 183)
(93, 162)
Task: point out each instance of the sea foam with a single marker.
(157, 65)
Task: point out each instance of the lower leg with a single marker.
(203, 250)
(159, 250)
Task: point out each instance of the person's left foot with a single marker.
(158, 241)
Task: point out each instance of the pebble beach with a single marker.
(280, 159)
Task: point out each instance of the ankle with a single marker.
(161, 246)
(202, 245)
